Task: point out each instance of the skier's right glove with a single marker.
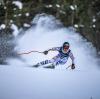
(45, 52)
(73, 66)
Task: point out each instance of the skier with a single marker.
(61, 58)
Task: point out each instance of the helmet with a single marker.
(66, 44)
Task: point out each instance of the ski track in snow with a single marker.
(19, 81)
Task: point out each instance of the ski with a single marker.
(49, 67)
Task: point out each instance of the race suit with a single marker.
(61, 57)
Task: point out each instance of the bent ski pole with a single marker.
(29, 52)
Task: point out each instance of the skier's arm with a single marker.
(52, 49)
(72, 58)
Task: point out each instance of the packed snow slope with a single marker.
(19, 81)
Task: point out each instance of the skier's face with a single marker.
(66, 48)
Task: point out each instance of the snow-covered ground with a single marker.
(19, 81)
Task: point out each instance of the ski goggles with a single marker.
(66, 47)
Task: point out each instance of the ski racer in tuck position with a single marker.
(60, 59)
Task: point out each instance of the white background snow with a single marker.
(19, 81)
(18, 4)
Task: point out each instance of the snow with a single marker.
(26, 25)
(15, 28)
(57, 5)
(61, 11)
(19, 14)
(2, 26)
(11, 21)
(81, 25)
(75, 6)
(14, 9)
(19, 81)
(5, 7)
(49, 6)
(15, 15)
(29, 83)
(18, 4)
(76, 25)
(94, 20)
(94, 26)
(72, 7)
(99, 52)
(27, 14)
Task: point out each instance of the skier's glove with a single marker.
(73, 66)
(45, 52)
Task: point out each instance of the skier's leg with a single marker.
(54, 62)
(48, 61)
(42, 63)
(62, 61)
(45, 62)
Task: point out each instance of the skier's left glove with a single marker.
(73, 66)
(45, 52)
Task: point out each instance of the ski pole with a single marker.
(29, 52)
(68, 66)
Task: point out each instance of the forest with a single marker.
(83, 15)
